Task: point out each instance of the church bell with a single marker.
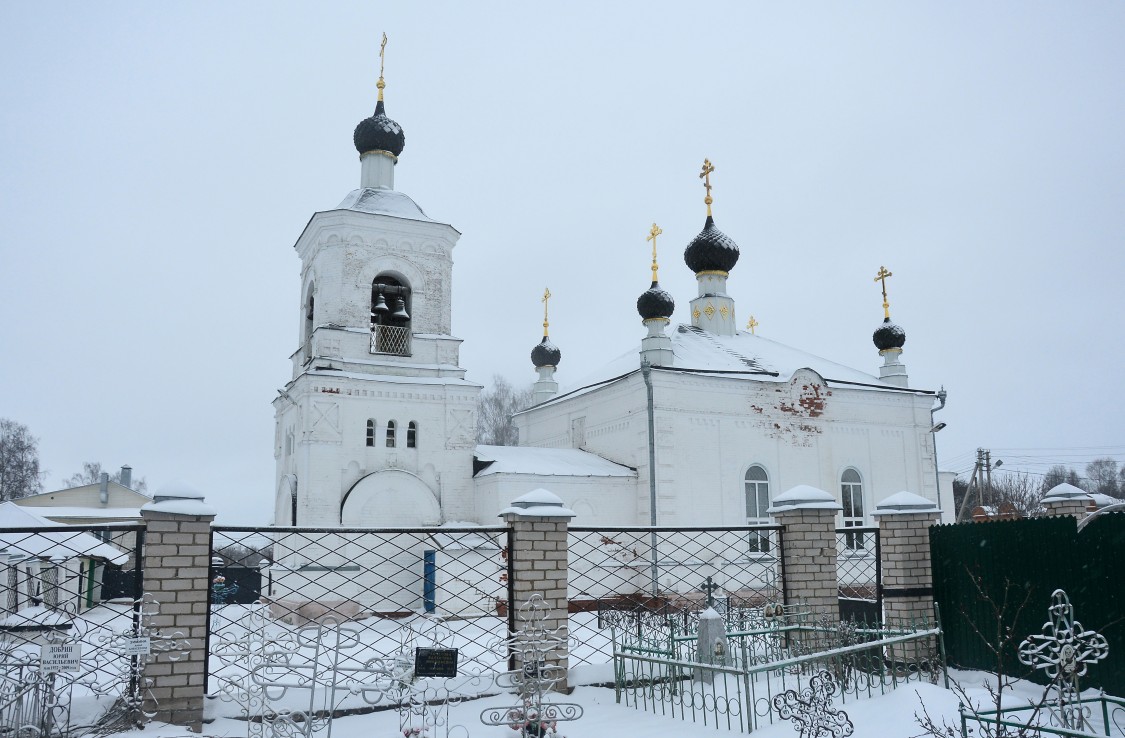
(380, 304)
(400, 310)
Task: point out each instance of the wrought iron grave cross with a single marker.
(1063, 652)
(709, 587)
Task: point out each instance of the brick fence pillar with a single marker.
(908, 585)
(537, 561)
(1066, 499)
(808, 516)
(175, 565)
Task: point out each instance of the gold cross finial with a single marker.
(752, 324)
(882, 277)
(652, 234)
(705, 175)
(382, 54)
(546, 297)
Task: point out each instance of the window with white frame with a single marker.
(412, 435)
(391, 434)
(851, 498)
(371, 432)
(757, 503)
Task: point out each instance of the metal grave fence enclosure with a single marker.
(648, 575)
(72, 661)
(380, 585)
(783, 648)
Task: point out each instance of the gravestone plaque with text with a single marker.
(435, 662)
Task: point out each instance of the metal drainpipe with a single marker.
(941, 395)
(646, 372)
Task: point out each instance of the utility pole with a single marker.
(981, 479)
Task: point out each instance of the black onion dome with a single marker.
(889, 336)
(545, 353)
(379, 133)
(711, 250)
(655, 303)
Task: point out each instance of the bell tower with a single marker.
(377, 425)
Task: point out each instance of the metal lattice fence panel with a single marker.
(64, 666)
(650, 577)
(374, 581)
(859, 573)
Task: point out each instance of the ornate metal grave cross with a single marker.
(709, 587)
(811, 712)
(532, 646)
(1063, 652)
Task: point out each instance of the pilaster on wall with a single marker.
(1066, 499)
(537, 560)
(808, 516)
(904, 538)
(175, 564)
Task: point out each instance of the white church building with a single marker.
(701, 424)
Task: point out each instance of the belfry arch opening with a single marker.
(308, 324)
(390, 315)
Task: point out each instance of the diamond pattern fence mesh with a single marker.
(71, 596)
(375, 580)
(859, 573)
(651, 579)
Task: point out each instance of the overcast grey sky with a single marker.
(158, 161)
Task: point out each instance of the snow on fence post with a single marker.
(537, 562)
(175, 566)
(808, 516)
(1066, 499)
(904, 538)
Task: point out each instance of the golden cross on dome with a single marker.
(546, 297)
(882, 277)
(752, 324)
(382, 55)
(705, 175)
(652, 234)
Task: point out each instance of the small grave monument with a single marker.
(711, 644)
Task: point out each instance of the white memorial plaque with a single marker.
(60, 657)
(138, 646)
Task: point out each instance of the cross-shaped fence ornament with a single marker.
(1064, 651)
(811, 711)
(709, 587)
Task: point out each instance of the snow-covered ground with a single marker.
(889, 716)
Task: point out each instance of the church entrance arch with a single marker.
(391, 498)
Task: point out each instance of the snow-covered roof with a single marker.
(550, 462)
(384, 202)
(54, 541)
(108, 513)
(741, 356)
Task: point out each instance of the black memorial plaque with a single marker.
(435, 662)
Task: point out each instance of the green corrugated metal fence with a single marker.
(983, 572)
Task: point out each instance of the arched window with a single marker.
(412, 435)
(390, 316)
(370, 431)
(310, 312)
(851, 497)
(390, 434)
(757, 503)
